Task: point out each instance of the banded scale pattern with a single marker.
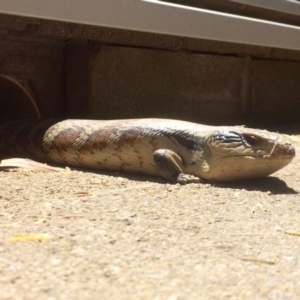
(124, 145)
(177, 150)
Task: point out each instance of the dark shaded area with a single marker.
(293, 128)
(17, 102)
(268, 184)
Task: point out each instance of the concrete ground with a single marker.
(81, 235)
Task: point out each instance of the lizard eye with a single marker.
(252, 140)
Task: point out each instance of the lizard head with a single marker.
(242, 153)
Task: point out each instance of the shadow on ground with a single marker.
(268, 184)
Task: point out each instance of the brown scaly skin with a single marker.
(176, 150)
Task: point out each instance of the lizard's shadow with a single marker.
(268, 184)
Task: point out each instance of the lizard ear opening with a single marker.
(17, 99)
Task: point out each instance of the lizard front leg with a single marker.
(168, 163)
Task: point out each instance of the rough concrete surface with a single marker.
(112, 82)
(110, 236)
(275, 91)
(87, 79)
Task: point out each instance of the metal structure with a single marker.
(287, 6)
(165, 18)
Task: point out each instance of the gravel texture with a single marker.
(82, 235)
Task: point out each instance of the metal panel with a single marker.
(286, 6)
(160, 17)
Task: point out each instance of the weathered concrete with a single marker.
(89, 72)
(119, 82)
(275, 92)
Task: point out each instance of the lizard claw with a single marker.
(183, 178)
